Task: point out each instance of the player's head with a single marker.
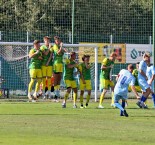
(57, 40)
(130, 68)
(36, 44)
(86, 58)
(146, 56)
(137, 65)
(113, 56)
(47, 40)
(73, 55)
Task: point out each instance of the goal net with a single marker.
(14, 64)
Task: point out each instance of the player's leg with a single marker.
(39, 80)
(81, 98)
(146, 92)
(33, 77)
(58, 69)
(88, 88)
(112, 93)
(104, 83)
(81, 87)
(49, 74)
(119, 106)
(43, 68)
(68, 86)
(74, 87)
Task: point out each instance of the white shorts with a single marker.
(119, 97)
(143, 84)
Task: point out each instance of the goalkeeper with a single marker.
(35, 69)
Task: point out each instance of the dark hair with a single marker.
(72, 53)
(57, 38)
(36, 41)
(137, 62)
(131, 66)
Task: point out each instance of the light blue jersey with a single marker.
(125, 78)
(149, 73)
(143, 67)
(141, 79)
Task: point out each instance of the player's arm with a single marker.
(133, 87)
(72, 65)
(103, 67)
(33, 54)
(49, 59)
(151, 80)
(79, 68)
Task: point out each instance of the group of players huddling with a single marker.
(47, 61)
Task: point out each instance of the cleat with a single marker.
(125, 113)
(63, 105)
(29, 96)
(144, 106)
(100, 107)
(81, 106)
(33, 101)
(86, 105)
(75, 106)
(139, 104)
(55, 100)
(35, 95)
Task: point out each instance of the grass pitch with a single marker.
(46, 123)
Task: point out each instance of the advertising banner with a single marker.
(134, 52)
(104, 50)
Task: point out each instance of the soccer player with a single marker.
(70, 82)
(85, 79)
(35, 69)
(135, 74)
(58, 52)
(105, 78)
(124, 78)
(47, 63)
(150, 73)
(142, 80)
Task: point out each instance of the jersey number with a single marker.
(123, 80)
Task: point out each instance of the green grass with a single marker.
(46, 123)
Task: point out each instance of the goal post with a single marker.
(15, 57)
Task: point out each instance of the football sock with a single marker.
(101, 99)
(143, 99)
(49, 83)
(88, 98)
(43, 83)
(118, 105)
(112, 100)
(123, 106)
(66, 96)
(81, 99)
(38, 85)
(31, 85)
(153, 98)
(74, 98)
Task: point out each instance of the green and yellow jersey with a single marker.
(85, 71)
(135, 74)
(58, 58)
(35, 62)
(44, 48)
(105, 73)
(68, 72)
